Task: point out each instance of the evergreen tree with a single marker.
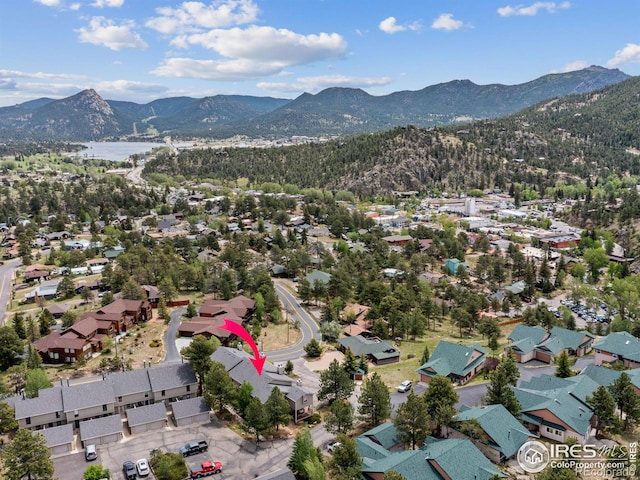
(340, 418)
(393, 475)
(412, 421)
(346, 463)
(603, 406)
(198, 353)
(350, 363)
(375, 403)
(499, 391)
(303, 450)
(244, 396)
(27, 455)
(44, 323)
(18, 326)
(335, 383)
(277, 408)
(440, 399)
(563, 365)
(313, 349)
(425, 355)
(626, 399)
(256, 419)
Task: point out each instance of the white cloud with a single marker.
(240, 69)
(577, 65)
(318, 83)
(389, 25)
(193, 16)
(629, 54)
(75, 7)
(106, 33)
(267, 44)
(40, 75)
(49, 3)
(531, 10)
(446, 22)
(108, 3)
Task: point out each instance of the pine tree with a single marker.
(375, 403)
(335, 383)
(412, 421)
(277, 408)
(563, 365)
(603, 406)
(27, 456)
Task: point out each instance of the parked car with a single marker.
(143, 467)
(333, 445)
(205, 469)
(194, 447)
(129, 470)
(90, 453)
(405, 386)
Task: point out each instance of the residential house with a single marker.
(397, 240)
(556, 408)
(356, 315)
(606, 376)
(87, 401)
(44, 411)
(241, 370)
(239, 307)
(448, 459)
(208, 327)
(503, 433)
(127, 312)
(534, 342)
(458, 362)
(452, 266)
(37, 275)
(172, 382)
(58, 348)
(618, 347)
(380, 352)
(318, 276)
(132, 388)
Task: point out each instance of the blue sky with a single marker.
(141, 50)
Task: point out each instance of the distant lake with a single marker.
(119, 151)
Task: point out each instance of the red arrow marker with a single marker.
(241, 332)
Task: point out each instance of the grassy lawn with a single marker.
(411, 353)
(275, 337)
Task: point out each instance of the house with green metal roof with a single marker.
(618, 347)
(318, 276)
(436, 460)
(378, 351)
(606, 376)
(458, 362)
(528, 343)
(556, 408)
(503, 433)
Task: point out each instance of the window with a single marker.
(66, 350)
(188, 388)
(104, 408)
(75, 413)
(119, 399)
(162, 393)
(57, 414)
(28, 420)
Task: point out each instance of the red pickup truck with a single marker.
(205, 469)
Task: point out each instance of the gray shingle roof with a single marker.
(130, 382)
(55, 436)
(146, 414)
(189, 407)
(100, 427)
(166, 377)
(86, 395)
(49, 400)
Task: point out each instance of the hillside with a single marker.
(580, 136)
(334, 111)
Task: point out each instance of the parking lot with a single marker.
(240, 458)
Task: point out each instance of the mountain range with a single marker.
(86, 116)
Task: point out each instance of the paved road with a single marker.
(6, 276)
(308, 327)
(172, 354)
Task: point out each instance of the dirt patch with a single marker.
(323, 362)
(275, 337)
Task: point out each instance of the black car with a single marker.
(129, 470)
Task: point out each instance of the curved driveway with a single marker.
(308, 327)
